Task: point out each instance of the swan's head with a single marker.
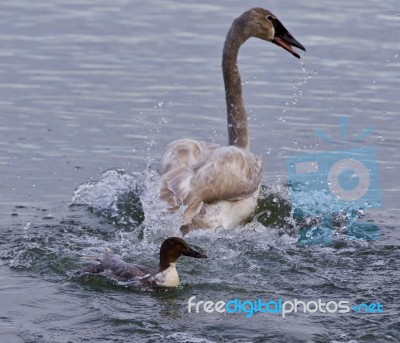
(261, 23)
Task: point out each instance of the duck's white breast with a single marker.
(168, 277)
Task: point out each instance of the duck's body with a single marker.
(219, 185)
(113, 268)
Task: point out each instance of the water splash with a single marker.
(115, 195)
(298, 89)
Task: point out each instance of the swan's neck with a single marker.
(237, 116)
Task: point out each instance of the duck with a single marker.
(218, 186)
(113, 268)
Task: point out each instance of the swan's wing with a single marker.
(184, 153)
(230, 173)
(225, 173)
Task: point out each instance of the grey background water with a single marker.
(90, 86)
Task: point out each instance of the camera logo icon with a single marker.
(334, 183)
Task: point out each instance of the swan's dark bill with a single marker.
(284, 39)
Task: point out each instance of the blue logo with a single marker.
(334, 186)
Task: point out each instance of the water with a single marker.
(89, 87)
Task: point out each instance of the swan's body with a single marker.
(219, 185)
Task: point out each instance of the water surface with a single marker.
(87, 87)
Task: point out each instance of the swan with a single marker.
(219, 185)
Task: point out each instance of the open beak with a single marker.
(284, 39)
(193, 253)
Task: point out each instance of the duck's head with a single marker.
(261, 23)
(174, 247)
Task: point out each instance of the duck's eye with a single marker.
(270, 17)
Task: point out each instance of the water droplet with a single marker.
(48, 216)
